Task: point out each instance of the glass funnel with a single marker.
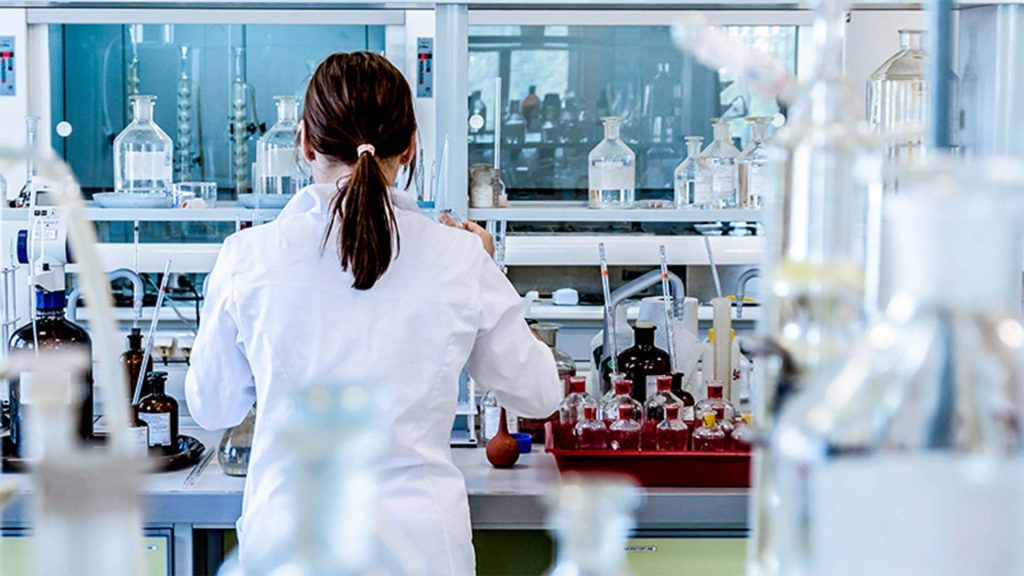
(277, 155)
(934, 385)
(723, 160)
(591, 518)
(693, 178)
(898, 100)
(612, 173)
(757, 180)
(143, 153)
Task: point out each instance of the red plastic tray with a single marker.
(664, 469)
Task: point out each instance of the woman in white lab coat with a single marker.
(351, 284)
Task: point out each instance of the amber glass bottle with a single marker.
(160, 413)
(53, 332)
(131, 359)
(643, 359)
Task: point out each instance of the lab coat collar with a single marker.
(317, 198)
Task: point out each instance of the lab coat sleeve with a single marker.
(219, 386)
(506, 357)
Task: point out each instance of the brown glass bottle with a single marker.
(131, 359)
(53, 332)
(160, 413)
(643, 359)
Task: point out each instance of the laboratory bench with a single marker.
(499, 500)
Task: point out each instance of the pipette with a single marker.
(608, 311)
(152, 331)
(714, 268)
(668, 309)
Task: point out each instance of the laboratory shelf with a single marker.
(630, 249)
(564, 211)
(224, 212)
(547, 312)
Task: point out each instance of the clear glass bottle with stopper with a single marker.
(723, 160)
(898, 100)
(143, 153)
(757, 180)
(933, 387)
(612, 171)
(693, 178)
(278, 163)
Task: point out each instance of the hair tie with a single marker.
(366, 148)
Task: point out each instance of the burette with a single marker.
(609, 312)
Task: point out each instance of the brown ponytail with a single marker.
(358, 110)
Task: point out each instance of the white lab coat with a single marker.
(280, 312)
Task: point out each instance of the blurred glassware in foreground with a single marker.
(933, 389)
(591, 518)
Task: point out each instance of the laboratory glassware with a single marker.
(236, 446)
(744, 434)
(240, 168)
(672, 434)
(132, 81)
(934, 384)
(132, 359)
(898, 100)
(722, 159)
(693, 178)
(709, 437)
(591, 518)
(184, 163)
(659, 108)
(643, 359)
(490, 415)
(715, 403)
(624, 433)
(655, 410)
(51, 331)
(570, 411)
(143, 153)
(160, 413)
(564, 363)
(278, 164)
(195, 194)
(502, 449)
(530, 109)
(611, 408)
(757, 180)
(612, 170)
(590, 433)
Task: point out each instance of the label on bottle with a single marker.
(760, 185)
(938, 513)
(30, 392)
(723, 182)
(139, 439)
(687, 414)
(147, 165)
(702, 191)
(492, 418)
(159, 425)
(612, 175)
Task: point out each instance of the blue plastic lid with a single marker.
(50, 300)
(525, 442)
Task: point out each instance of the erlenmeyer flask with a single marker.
(236, 446)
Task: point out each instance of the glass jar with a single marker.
(590, 433)
(693, 178)
(723, 159)
(933, 389)
(160, 413)
(656, 410)
(143, 153)
(672, 434)
(757, 179)
(709, 437)
(611, 408)
(236, 446)
(898, 100)
(277, 156)
(624, 433)
(612, 172)
(570, 411)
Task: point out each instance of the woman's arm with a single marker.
(219, 386)
(506, 357)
